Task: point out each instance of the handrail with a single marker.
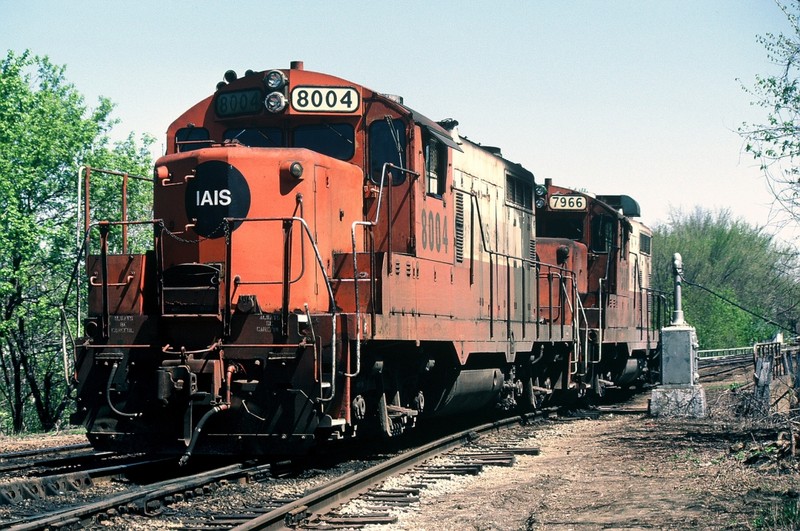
(105, 227)
(304, 225)
(575, 320)
(368, 226)
(93, 281)
(601, 308)
(65, 356)
(585, 329)
(332, 309)
(560, 271)
(302, 271)
(166, 349)
(721, 353)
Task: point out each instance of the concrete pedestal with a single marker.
(680, 394)
(678, 401)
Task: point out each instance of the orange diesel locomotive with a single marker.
(328, 262)
(598, 238)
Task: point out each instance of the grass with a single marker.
(783, 515)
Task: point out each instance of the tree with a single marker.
(776, 143)
(46, 133)
(743, 265)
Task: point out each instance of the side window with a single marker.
(645, 243)
(334, 140)
(387, 143)
(190, 138)
(519, 193)
(435, 167)
(602, 234)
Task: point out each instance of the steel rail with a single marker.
(61, 459)
(349, 487)
(44, 451)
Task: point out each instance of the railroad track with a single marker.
(60, 487)
(323, 507)
(711, 368)
(39, 483)
(311, 504)
(11, 462)
(315, 505)
(350, 494)
(145, 500)
(36, 474)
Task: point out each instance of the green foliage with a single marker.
(741, 263)
(776, 143)
(46, 133)
(784, 514)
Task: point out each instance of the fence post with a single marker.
(762, 377)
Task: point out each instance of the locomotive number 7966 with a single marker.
(567, 202)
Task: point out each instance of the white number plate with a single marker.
(567, 202)
(325, 99)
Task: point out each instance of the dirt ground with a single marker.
(631, 471)
(47, 440)
(621, 471)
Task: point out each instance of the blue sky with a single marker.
(636, 97)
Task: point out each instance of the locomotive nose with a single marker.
(217, 191)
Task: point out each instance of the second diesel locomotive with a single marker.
(327, 262)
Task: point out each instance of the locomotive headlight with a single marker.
(296, 169)
(539, 193)
(275, 80)
(292, 169)
(275, 102)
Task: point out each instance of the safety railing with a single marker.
(722, 353)
(97, 280)
(287, 226)
(369, 227)
(771, 350)
(495, 256)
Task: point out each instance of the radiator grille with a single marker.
(459, 227)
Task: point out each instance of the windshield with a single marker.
(334, 140)
(256, 137)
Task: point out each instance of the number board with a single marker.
(567, 202)
(325, 99)
(239, 102)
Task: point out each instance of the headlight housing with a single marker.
(275, 80)
(275, 102)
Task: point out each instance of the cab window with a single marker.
(602, 234)
(334, 140)
(560, 226)
(435, 167)
(387, 143)
(256, 136)
(191, 138)
(645, 243)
